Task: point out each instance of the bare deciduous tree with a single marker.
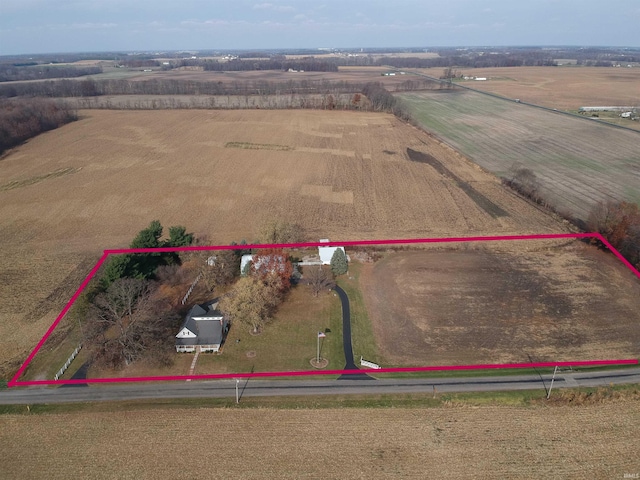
(120, 326)
(318, 279)
(619, 223)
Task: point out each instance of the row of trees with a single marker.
(381, 100)
(309, 64)
(471, 61)
(13, 73)
(21, 119)
(90, 87)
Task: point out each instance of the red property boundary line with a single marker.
(14, 382)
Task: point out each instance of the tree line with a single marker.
(470, 61)
(310, 64)
(13, 73)
(90, 87)
(24, 118)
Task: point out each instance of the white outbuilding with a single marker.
(326, 253)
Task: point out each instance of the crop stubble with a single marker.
(482, 442)
(565, 88)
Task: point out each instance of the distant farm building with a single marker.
(480, 79)
(605, 109)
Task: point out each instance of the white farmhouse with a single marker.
(204, 329)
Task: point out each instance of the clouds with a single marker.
(70, 25)
(275, 8)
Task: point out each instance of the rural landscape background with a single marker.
(240, 145)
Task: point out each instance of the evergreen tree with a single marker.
(178, 237)
(339, 262)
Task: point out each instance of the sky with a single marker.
(47, 26)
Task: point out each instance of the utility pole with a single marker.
(552, 379)
(237, 396)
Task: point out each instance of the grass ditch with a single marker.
(521, 398)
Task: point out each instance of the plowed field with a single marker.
(484, 304)
(70, 193)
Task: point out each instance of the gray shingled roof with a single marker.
(209, 332)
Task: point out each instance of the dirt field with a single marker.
(70, 193)
(594, 441)
(578, 162)
(564, 88)
(485, 304)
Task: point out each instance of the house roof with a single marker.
(207, 324)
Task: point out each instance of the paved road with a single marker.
(267, 388)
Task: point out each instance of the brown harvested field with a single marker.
(496, 303)
(564, 88)
(357, 75)
(591, 441)
(70, 193)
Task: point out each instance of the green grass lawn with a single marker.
(288, 342)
